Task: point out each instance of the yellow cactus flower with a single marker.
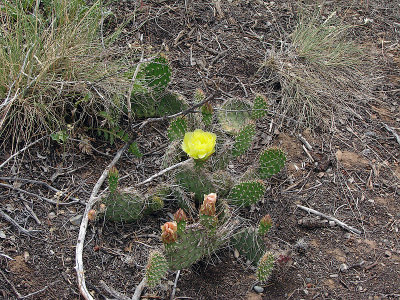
(199, 144)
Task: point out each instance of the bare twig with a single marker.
(34, 293)
(13, 222)
(128, 95)
(41, 183)
(10, 283)
(340, 223)
(304, 141)
(175, 283)
(113, 291)
(38, 196)
(184, 112)
(22, 150)
(164, 171)
(82, 230)
(392, 131)
(6, 256)
(139, 289)
(308, 154)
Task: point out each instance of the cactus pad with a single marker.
(243, 140)
(265, 267)
(249, 244)
(192, 245)
(247, 193)
(177, 129)
(260, 107)
(157, 74)
(233, 115)
(207, 114)
(271, 162)
(157, 267)
(195, 182)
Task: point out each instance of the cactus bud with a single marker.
(208, 206)
(199, 95)
(103, 208)
(92, 215)
(265, 225)
(169, 234)
(180, 216)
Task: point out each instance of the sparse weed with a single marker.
(318, 72)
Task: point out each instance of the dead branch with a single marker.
(41, 183)
(13, 222)
(392, 131)
(22, 150)
(38, 196)
(184, 112)
(164, 171)
(139, 289)
(340, 223)
(82, 230)
(113, 291)
(175, 283)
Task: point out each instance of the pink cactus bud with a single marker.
(180, 216)
(208, 206)
(92, 215)
(169, 234)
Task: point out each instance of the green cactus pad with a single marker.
(113, 177)
(177, 129)
(207, 114)
(195, 182)
(265, 267)
(157, 74)
(271, 162)
(260, 107)
(192, 245)
(157, 267)
(247, 193)
(249, 244)
(243, 140)
(128, 205)
(233, 115)
(147, 106)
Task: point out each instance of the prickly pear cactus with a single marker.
(265, 267)
(265, 225)
(177, 129)
(244, 139)
(249, 244)
(157, 74)
(157, 267)
(207, 114)
(271, 162)
(195, 182)
(260, 107)
(233, 115)
(128, 205)
(247, 193)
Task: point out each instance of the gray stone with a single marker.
(76, 220)
(258, 289)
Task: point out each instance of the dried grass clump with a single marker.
(52, 62)
(320, 72)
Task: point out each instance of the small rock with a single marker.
(258, 289)
(51, 215)
(76, 221)
(388, 253)
(343, 267)
(2, 234)
(306, 292)
(332, 223)
(334, 275)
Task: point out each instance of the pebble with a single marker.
(343, 267)
(2, 234)
(258, 289)
(388, 253)
(236, 253)
(51, 215)
(76, 220)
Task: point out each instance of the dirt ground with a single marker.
(355, 175)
